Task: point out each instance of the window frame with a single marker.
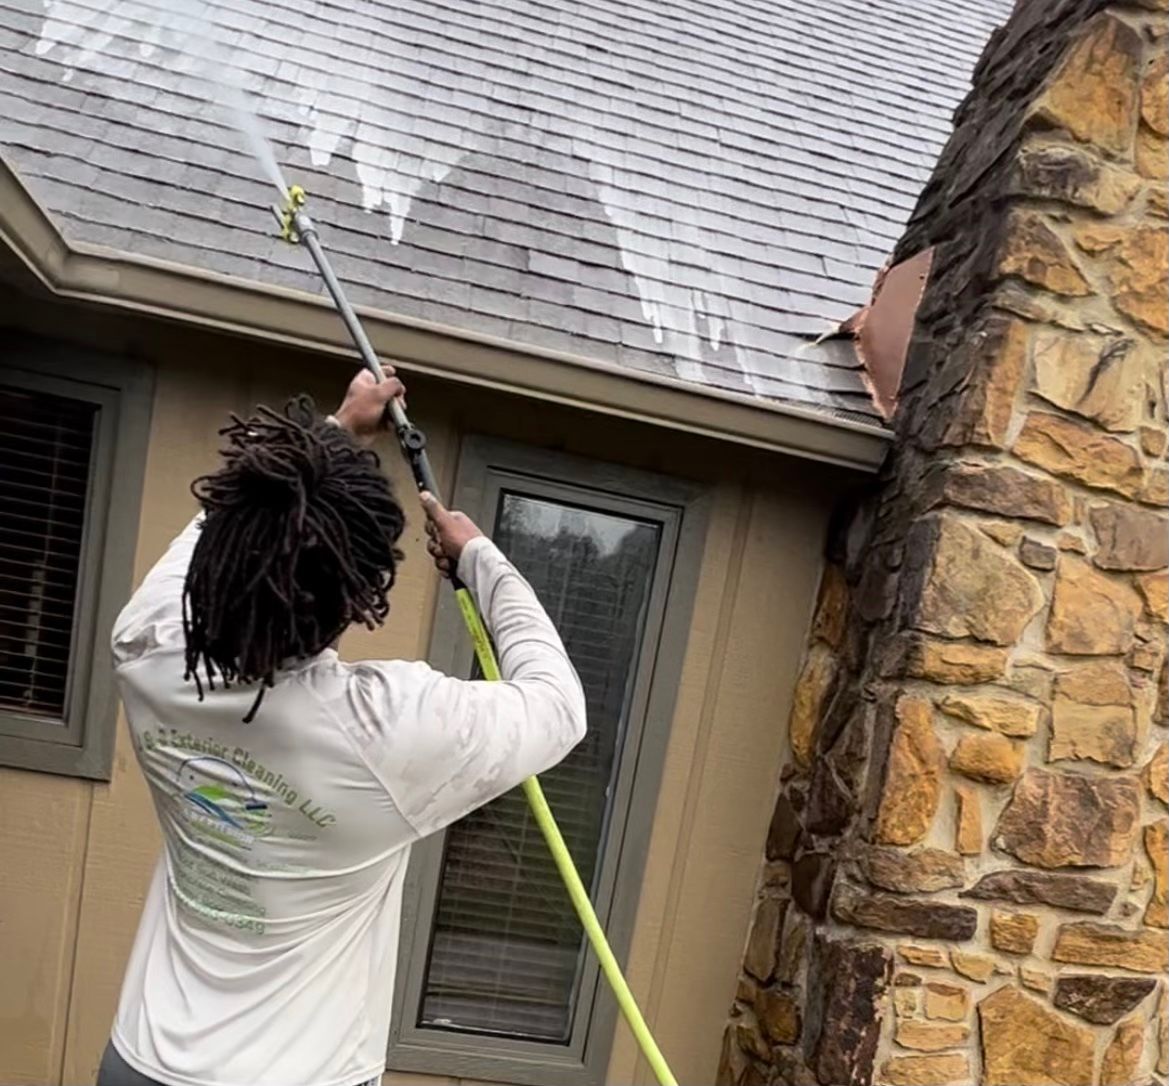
(83, 744)
(682, 510)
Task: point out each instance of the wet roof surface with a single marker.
(695, 188)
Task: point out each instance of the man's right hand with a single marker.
(449, 533)
(363, 411)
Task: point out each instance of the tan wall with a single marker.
(75, 856)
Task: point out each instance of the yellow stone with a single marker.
(1156, 773)
(968, 833)
(1077, 451)
(946, 1001)
(1122, 1057)
(831, 607)
(954, 662)
(1093, 93)
(1154, 587)
(1013, 933)
(1010, 716)
(1139, 274)
(1157, 847)
(1071, 819)
(1106, 734)
(1086, 942)
(1154, 440)
(1151, 154)
(1023, 1041)
(931, 1037)
(812, 687)
(1155, 488)
(912, 786)
(925, 1070)
(1022, 301)
(923, 870)
(1070, 174)
(1094, 237)
(1157, 201)
(992, 758)
(987, 404)
(929, 956)
(1093, 376)
(976, 967)
(779, 1015)
(1100, 682)
(1155, 94)
(1129, 538)
(750, 1036)
(1146, 655)
(1038, 980)
(1091, 613)
(1034, 252)
(965, 586)
(763, 940)
(1003, 532)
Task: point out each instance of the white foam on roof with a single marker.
(736, 169)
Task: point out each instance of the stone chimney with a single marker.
(965, 875)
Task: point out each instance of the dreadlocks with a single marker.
(298, 543)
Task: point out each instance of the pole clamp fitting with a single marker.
(412, 439)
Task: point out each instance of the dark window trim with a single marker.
(83, 746)
(683, 510)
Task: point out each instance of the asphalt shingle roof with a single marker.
(697, 188)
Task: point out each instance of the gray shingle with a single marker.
(678, 186)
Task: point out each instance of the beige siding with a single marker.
(77, 856)
(724, 758)
(42, 855)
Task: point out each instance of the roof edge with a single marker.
(172, 291)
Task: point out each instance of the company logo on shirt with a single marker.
(222, 792)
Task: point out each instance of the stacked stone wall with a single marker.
(965, 875)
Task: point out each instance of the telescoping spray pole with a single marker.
(296, 227)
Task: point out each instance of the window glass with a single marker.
(506, 948)
(46, 446)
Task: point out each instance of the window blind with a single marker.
(506, 947)
(46, 448)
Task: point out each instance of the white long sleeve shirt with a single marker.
(268, 941)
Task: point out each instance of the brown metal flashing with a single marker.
(95, 275)
(883, 328)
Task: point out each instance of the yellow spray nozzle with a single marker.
(286, 215)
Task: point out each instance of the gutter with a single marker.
(110, 278)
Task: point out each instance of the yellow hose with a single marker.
(568, 872)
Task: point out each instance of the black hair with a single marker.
(298, 543)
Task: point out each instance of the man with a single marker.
(290, 785)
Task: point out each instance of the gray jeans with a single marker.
(115, 1071)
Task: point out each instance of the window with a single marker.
(495, 977)
(72, 448)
